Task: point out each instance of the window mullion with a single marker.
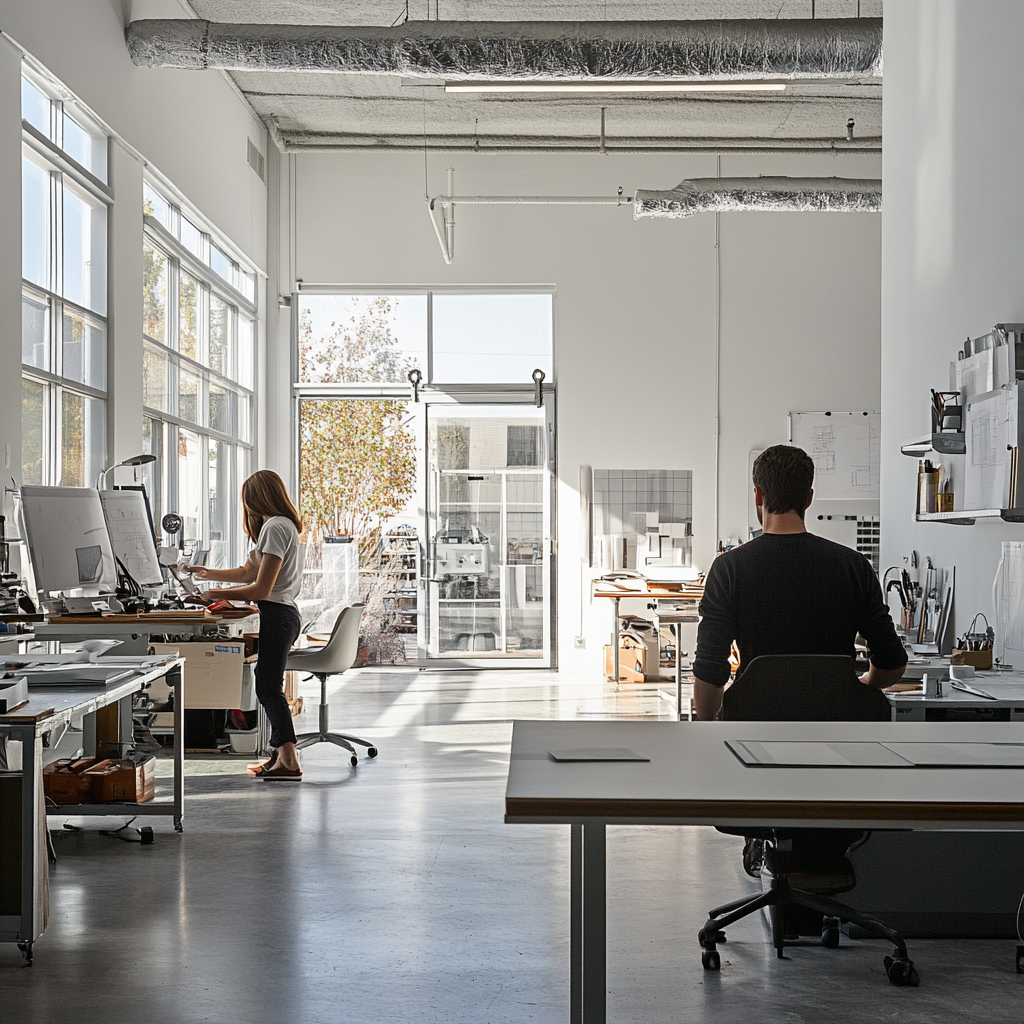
(56, 337)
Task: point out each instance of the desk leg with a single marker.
(587, 932)
(678, 630)
(615, 641)
(176, 681)
(31, 887)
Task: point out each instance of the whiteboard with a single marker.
(846, 449)
(131, 536)
(67, 538)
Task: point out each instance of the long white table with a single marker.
(52, 708)
(694, 779)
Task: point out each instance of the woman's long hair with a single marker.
(263, 496)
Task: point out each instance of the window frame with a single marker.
(63, 170)
(381, 389)
(169, 422)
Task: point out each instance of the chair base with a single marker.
(307, 739)
(899, 967)
(324, 735)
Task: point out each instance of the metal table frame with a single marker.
(674, 619)
(30, 724)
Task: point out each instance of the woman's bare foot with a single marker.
(287, 757)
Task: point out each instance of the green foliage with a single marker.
(357, 457)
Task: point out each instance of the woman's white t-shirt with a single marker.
(279, 537)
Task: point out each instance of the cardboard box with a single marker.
(979, 659)
(216, 674)
(65, 782)
(93, 780)
(633, 659)
(127, 781)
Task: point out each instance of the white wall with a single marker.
(635, 310)
(191, 127)
(951, 243)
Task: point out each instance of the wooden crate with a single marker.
(123, 781)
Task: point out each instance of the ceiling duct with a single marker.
(734, 50)
(778, 194)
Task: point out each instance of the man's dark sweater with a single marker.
(791, 593)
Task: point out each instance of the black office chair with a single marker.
(802, 868)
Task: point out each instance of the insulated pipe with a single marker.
(730, 50)
(727, 195)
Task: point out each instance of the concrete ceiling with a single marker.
(314, 110)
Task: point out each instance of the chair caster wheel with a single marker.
(901, 972)
(710, 960)
(830, 932)
(26, 952)
(371, 751)
(353, 760)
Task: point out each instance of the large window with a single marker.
(199, 337)
(65, 208)
(451, 337)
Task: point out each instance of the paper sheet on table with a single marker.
(991, 429)
(873, 754)
(1009, 601)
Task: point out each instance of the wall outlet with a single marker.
(579, 642)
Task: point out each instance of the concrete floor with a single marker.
(395, 893)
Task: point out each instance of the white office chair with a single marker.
(336, 656)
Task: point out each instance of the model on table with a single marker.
(272, 577)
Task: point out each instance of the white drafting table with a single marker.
(52, 708)
(693, 779)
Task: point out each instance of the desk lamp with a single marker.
(135, 460)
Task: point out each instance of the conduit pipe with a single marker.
(732, 50)
(727, 195)
(448, 202)
(687, 199)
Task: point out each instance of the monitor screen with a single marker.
(67, 539)
(131, 534)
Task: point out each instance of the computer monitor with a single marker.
(67, 539)
(130, 527)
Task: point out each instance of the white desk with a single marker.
(693, 779)
(1006, 687)
(52, 708)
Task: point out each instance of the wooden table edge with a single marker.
(761, 811)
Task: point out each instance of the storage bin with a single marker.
(243, 741)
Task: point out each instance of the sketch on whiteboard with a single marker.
(846, 450)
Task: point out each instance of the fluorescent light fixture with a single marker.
(603, 87)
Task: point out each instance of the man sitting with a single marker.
(788, 591)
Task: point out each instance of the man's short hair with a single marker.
(785, 475)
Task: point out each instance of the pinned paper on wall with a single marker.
(846, 450)
(1008, 593)
(991, 431)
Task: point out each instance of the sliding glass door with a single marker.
(488, 586)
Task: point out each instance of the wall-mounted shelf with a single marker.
(947, 443)
(967, 517)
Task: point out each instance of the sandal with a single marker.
(262, 767)
(281, 774)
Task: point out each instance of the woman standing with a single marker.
(272, 577)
